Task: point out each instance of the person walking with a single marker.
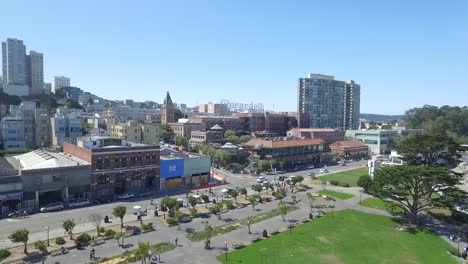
(176, 240)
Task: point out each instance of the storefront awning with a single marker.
(11, 196)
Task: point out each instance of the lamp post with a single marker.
(47, 227)
(225, 249)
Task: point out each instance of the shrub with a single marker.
(59, 241)
(171, 221)
(85, 238)
(102, 230)
(344, 184)
(306, 220)
(4, 253)
(236, 245)
(109, 233)
(193, 212)
(145, 227)
(454, 252)
(334, 182)
(365, 181)
(229, 204)
(294, 199)
(205, 198)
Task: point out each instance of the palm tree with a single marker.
(120, 211)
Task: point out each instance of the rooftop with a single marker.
(350, 144)
(41, 159)
(282, 142)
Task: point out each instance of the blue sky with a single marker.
(403, 53)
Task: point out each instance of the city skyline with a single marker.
(268, 47)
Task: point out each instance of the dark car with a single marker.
(281, 178)
(103, 200)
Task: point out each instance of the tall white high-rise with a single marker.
(59, 82)
(36, 74)
(15, 67)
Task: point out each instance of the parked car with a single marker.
(124, 196)
(103, 200)
(18, 213)
(311, 167)
(311, 174)
(52, 207)
(281, 178)
(78, 203)
(323, 170)
(261, 179)
(342, 164)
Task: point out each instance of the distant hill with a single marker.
(376, 117)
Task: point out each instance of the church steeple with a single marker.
(168, 100)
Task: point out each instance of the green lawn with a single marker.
(339, 195)
(349, 237)
(350, 177)
(379, 204)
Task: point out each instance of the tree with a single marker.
(233, 193)
(42, 247)
(20, 236)
(280, 193)
(365, 181)
(253, 201)
(165, 132)
(118, 236)
(243, 191)
(120, 211)
(68, 225)
(258, 188)
(283, 209)
(244, 138)
(216, 209)
(228, 133)
(142, 251)
(169, 204)
(223, 157)
(429, 150)
(196, 148)
(264, 165)
(249, 223)
(408, 186)
(208, 233)
(267, 186)
(178, 114)
(295, 180)
(181, 141)
(233, 139)
(363, 125)
(192, 201)
(96, 221)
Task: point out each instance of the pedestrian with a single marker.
(176, 240)
(159, 258)
(151, 202)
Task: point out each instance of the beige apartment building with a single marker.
(135, 132)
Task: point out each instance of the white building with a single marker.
(36, 73)
(65, 128)
(13, 133)
(59, 82)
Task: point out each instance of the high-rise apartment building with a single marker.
(59, 82)
(329, 103)
(213, 109)
(36, 72)
(15, 67)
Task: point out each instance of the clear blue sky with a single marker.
(403, 53)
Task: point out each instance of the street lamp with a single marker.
(225, 249)
(47, 227)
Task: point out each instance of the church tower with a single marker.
(167, 110)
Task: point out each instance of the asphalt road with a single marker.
(37, 223)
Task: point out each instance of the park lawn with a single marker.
(379, 204)
(350, 176)
(349, 237)
(339, 195)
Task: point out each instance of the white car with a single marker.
(323, 171)
(52, 207)
(124, 196)
(78, 203)
(261, 179)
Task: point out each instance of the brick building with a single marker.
(329, 135)
(118, 166)
(350, 149)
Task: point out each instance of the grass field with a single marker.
(379, 204)
(339, 195)
(349, 237)
(350, 177)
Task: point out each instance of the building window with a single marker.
(132, 161)
(99, 164)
